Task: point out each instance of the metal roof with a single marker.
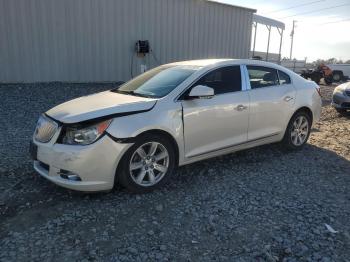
(268, 21)
(256, 18)
(231, 5)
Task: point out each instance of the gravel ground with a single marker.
(261, 204)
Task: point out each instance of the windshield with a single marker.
(157, 82)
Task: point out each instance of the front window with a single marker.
(157, 82)
(223, 80)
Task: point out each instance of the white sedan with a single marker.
(170, 116)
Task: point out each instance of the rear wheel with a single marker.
(298, 131)
(337, 76)
(147, 164)
(328, 80)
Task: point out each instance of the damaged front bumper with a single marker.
(88, 168)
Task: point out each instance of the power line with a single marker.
(314, 11)
(295, 6)
(326, 23)
(335, 22)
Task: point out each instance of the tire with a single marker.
(328, 80)
(293, 131)
(142, 174)
(337, 76)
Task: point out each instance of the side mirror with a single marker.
(201, 92)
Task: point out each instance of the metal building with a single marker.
(94, 40)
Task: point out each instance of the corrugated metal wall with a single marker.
(93, 40)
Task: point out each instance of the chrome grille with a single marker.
(45, 129)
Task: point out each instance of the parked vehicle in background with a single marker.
(321, 72)
(340, 71)
(171, 116)
(341, 98)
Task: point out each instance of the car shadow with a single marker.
(37, 200)
(263, 156)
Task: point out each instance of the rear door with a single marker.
(272, 97)
(221, 121)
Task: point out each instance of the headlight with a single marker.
(84, 135)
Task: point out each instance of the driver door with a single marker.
(221, 121)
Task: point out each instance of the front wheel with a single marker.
(147, 164)
(298, 131)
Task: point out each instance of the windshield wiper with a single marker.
(122, 92)
(143, 95)
(133, 93)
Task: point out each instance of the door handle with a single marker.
(241, 107)
(288, 98)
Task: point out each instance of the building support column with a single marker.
(255, 24)
(268, 42)
(280, 31)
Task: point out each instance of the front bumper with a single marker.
(341, 101)
(95, 164)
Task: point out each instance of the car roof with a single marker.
(200, 62)
(227, 61)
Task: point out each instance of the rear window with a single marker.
(260, 76)
(284, 78)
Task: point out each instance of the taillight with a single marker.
(318, 89)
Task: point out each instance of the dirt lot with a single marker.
(261, 204)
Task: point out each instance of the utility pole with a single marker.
(292, 39)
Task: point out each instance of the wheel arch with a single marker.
(338, 71)
(287, 134)
(306, 110)
(158, 132)
(166, 134)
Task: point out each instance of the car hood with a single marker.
(99, 105)
(346, 86)
(342, 87)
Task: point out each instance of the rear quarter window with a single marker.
(284, 78)
(260, 76)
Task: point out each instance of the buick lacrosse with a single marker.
(171, 116)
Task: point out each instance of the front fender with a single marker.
(166, 118)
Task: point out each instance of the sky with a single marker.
(318, 34)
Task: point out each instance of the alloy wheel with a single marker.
(149, 164)
(300, 130)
